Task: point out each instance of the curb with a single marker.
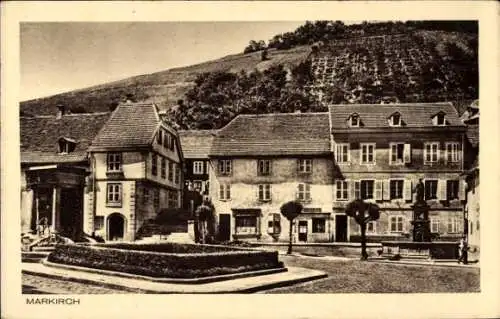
(427, 264)
(184, 281)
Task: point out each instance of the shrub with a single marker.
(157, 264)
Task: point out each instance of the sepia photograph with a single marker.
(329, 150)
(333, 158)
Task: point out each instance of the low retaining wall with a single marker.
(138, 261)
(324, 249)
(434, 250)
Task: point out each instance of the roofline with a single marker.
(432, 129)
(393, 104)
(65, 115)
(99, 149)
(254, 155)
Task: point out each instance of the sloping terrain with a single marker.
(163, 88)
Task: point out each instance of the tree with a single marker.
(205, 216)
(363, 213)
(291, 210)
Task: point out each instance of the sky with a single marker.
(58, 57)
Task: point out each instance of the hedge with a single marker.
(169, 265)
(173, 248)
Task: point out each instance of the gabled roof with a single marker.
(416, 115)
(40, 136)
(196, 144)
(278, 134)
(131, 125)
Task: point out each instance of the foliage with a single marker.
(254, 46)
(219, 96)
(170, 265)
(291, 210)
(362, 213)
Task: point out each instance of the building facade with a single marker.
(55, 170)
(260, 162)
(382, 151)
(195, 147)
(136, 162)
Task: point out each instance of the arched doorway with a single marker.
(116, 226)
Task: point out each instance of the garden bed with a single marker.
(165, 260)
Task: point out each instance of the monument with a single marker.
(421, 245)
(421, 224)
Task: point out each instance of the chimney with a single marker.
(61, 111)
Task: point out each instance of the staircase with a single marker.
(181, 238)
(34, 256)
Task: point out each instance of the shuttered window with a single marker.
(396, 189)
(341, 190)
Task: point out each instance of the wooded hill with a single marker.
(321, 62)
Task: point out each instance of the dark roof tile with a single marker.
(281, 134)
(40, 136)
(196, 143)
(416, 115)
(131, 125)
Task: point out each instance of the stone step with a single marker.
(43, 248)
(33, 257)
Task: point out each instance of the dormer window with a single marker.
(395, 119)
(66, 145)
(354, 120)
(439, 119)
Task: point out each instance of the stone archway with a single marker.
(116, 226)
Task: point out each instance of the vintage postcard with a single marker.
(179, 159)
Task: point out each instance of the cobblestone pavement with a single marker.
(42, 285)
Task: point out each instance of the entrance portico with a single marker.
(52, 200)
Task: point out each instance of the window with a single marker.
(177, 173)
(156, 198)
(170, 171)
(431, 189)
(431, 152)
(305, 166)
(440, 120)
(396, 188)
(452, 152)
(434, 225)
(318, 225)
(400, 153)
(98, 222)
(163, 169)
(453, 225)
(159, 137)
(304, 192)
(452, 189)
(166, 140)
(154, 164)
(367, 153)
(265, 192)
(396, 224)
(225, 167)
(263, 167)
(274, 224)
(145, 196)
(66, 145)
(395, 119)
(367, 189)
(114, 162)
(197, 186)
(171, 141)
(341, 190)
(225, 191)
(354, 120)
(370, 227)
(342, 153)
(114, 193)
(198, 167)
(246, 225)
(172, 199)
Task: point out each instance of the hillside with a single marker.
(303, 70)
(163, 88)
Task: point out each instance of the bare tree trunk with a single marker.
(364, 254)
(290, 243)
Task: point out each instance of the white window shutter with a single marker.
(347, 185)
(335, 190)
(407, 153)
(391, 152)
(441, 191)
(357, 189)
(378, 190)
(386, 190)
(353, 190)
(407, 189)
(461, 189)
